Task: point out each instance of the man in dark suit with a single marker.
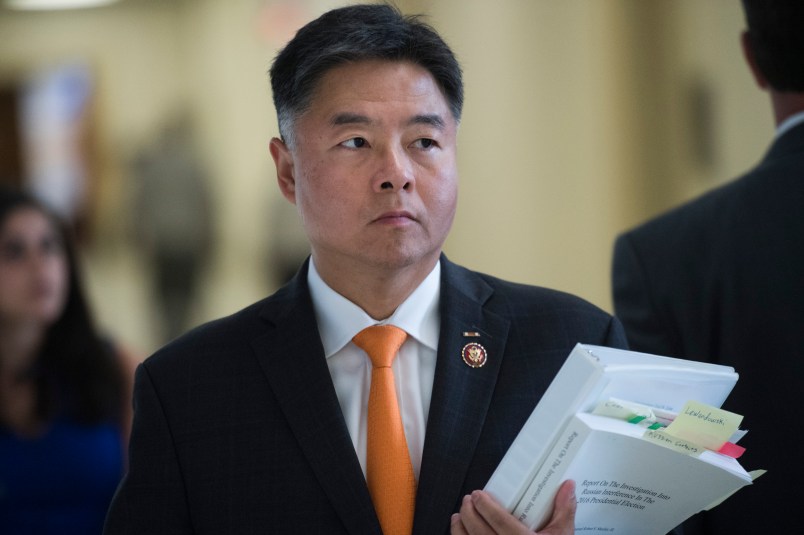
(721, 279)
(256, 423)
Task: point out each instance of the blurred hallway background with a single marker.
(582, 118)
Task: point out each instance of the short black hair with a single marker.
(776, 37)
(357, 33)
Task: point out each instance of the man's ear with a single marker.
(285, 171)
(750, 58)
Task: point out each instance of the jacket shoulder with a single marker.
(220, 338)
(536, 308)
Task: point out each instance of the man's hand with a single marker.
(480, 514)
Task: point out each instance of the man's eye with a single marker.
(425, 143)
(355, 143)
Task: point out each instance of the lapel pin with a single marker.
(474, 354)
(471, 334)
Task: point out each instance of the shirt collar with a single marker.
(794, 120)
(339, 319)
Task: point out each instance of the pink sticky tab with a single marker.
(732, 450)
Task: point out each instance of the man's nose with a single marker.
(395, 172)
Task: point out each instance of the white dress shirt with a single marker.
(790, 122)
(414, 368)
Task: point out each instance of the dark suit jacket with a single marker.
(238, 428)
(721, 279)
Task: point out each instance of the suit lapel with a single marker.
(291, 355)
(461, 395)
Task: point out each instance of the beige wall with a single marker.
(540, 152)
(579, 122)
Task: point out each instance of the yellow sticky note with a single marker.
(704, 425)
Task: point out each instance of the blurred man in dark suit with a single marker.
(721, 279)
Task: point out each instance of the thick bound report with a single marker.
(629, 478)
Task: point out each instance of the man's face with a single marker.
(373, 170)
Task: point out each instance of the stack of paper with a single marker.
(640, 476)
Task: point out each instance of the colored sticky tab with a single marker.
(660, 437)
(732, 450)
(704, 425)
(624, 410)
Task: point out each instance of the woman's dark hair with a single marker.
(76, 372)
(356, 33)
(776, 37)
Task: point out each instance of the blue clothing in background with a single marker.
(61, 482)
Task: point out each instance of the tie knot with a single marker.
(381, 342)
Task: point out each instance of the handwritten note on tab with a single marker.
(704, 425)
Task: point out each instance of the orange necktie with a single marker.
(389, 473)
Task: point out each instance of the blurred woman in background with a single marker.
(63, 388)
